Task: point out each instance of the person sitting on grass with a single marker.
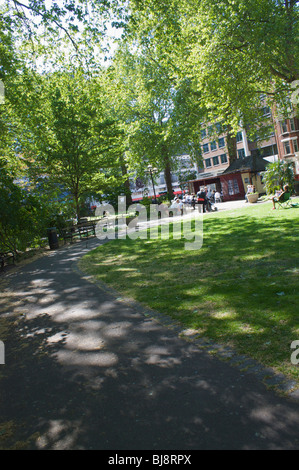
(282, 196)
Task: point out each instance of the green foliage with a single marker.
(232, 51)
(161, 120)
(66, 134)
(277, 175)
(185, 176)
(20, 213)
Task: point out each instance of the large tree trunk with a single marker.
(127, 188)
(231, 141)
(77, 206)
(167, 172)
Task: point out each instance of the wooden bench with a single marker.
(79, 231)
(6, 257)
(86, 230)
(70, 234)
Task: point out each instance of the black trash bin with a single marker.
(53, 238)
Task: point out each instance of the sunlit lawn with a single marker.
(240, 288)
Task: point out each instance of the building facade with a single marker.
(232, 178)
(217, 172)
(287, 137)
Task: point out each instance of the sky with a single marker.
(107, 43)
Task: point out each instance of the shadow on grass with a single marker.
(86, 371)
(240, 288)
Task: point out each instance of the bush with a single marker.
(277, 175)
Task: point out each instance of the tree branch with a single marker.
(38, 12)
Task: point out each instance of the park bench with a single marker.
(6, 257)
(70, 234)
(82, 230)
(86, 230)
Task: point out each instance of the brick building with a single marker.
(232, 178)
(287, 138)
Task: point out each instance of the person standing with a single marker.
(202, 199)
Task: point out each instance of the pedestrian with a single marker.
(202, 199)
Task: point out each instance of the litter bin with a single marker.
(53, 239)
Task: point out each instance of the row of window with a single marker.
(284, 125)
(211, 146)
(222, 158)
(287, 147)
(216, 160)
(211, 130)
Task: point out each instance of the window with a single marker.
(215, 160)
(266, 111)
(203, 133)
(239, 136)
(208, 162)
(205, 148)
(219, 127)
(211, 130)
(213, 145)
(287, 148)
(269, 150)
(236, 187)
(221, 142)
(241, 153)
(292, 124)
(233, 187)
(295, 143)
(223, 158)
(230, 187)
(283, 126)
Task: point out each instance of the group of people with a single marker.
(280, 196)
(204, 197)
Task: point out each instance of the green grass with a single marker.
(239, 289)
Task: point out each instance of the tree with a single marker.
(277, 175)
(19, 214)
(65, 135)
(232, 50)
(160, 120)
(184, 176)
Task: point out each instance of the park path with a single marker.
(88, 370)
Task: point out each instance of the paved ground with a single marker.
(87, 370)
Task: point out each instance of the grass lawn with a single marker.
(239, 289)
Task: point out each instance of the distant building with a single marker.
(232, 178)
(184, 164)
(218, 172)
(287, 137)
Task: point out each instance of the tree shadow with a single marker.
(84, 370)
(240, 288)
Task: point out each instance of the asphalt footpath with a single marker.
(87, 369)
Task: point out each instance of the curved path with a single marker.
(88, 370)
